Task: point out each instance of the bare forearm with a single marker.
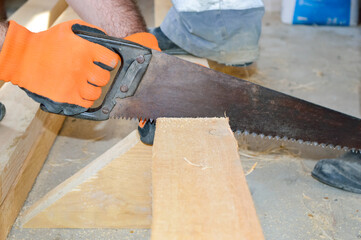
(3, 29)
(119, 18)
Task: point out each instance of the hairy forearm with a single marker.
(119, 18)
(3, 29)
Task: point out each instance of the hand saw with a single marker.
(151, 84)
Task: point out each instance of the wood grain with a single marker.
(20, 108)
(113, 191)
(27, 133)
(199, 188)
(41, 133)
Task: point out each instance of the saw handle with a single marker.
(135, 59)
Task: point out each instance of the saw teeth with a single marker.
(262, 136)
(299, 141)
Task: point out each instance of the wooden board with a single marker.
(26, 133)
(113, 191)
(44, 129)
(199, 188)
(20, 108)
(67, 15)
(39, 15)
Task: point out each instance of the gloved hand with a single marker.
(56, 67)
(146, 39)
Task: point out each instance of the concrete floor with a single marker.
(319, 64)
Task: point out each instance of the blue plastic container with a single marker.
(321, 12)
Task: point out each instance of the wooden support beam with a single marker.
(199, 188)
(113, 191)
(41, 133)
(26, 133)
(20, 108)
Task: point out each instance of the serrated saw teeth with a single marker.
(299, 141)
(262, 136)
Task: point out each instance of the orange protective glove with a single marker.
(146, 39)
(56, 67)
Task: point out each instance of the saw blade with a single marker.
(172, 87)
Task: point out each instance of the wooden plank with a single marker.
(199, 188)
(27, 134)
(20, 108)
(67, 15)
(39, 15)
(44, 129)
(113, 191)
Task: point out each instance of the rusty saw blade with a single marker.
(172, 87)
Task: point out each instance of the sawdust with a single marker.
(318, 73)
(270, 153)
(251, 169)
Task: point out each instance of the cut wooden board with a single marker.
(114, 191)
(199, 188)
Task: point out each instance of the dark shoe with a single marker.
(146, 131)
(343, 173)
(165, 44)
(2, 111)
